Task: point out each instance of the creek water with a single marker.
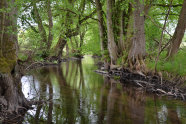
(74, 94)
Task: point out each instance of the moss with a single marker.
(8, 60)
(116, 77)
(6, 65)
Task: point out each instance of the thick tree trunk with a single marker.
(130, 31)
(50, 20)
(40, 24)
(60, 46)
(137, 50)
(102, 27)
(179, 32)
(11, 93)
(113, 50)
(82, 37)
(121, 33)
(10, 88)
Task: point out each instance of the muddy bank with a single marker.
(149, 83)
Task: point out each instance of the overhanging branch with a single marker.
(168, 5)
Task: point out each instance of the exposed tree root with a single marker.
(137, 64)
(11, 117)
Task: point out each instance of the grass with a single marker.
(175, 65)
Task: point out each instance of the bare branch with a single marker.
(168, 5)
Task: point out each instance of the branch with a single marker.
(168, 5)
(94, 19)
(32, 27)
(87, 17)
(166, 14)
(162, 33)
(158, 25)
(75, 31)
(68, 10)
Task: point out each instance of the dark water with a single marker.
(74, 94)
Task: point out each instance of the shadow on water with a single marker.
(73, 93)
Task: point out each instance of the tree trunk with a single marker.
(67, 50)
(137, 50)
(121, 33)
(62, 41)
(10, 87)
(179, 32)
(60, 46)
(40, 24)
(113, 50)
(102, 27)
(50, 20)
(129, 28)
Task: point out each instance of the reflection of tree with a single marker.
(44, 78)
(67, 108)
(81, 81)
(173, 116)
(136, 105)
(103, 101)
(50, 108)
(115, 107)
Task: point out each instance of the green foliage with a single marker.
(175, 65)
(92, 41)
(106, 56)
(116, 77)
(152, 33)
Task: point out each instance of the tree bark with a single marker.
(40, 23)
(50, 20)
(102, 27)
(129, 31)
(113, 50)
(11, 92)
(60, 46)
(121, 33)
(137, 50)
(179, 32)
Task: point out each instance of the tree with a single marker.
(50, 20)
(47, 41)
(137, 49)
(39, 22)
(179, 32)
(102, 27)
(113, 50)
(10, 87)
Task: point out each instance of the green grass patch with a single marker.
(175, 65)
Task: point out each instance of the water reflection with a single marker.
(73, 93)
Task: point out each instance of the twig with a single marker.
(33, 64)
(162, 91)
(158, 26)
(162, 33)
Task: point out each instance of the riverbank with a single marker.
(150, 83)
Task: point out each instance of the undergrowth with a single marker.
(175, 65)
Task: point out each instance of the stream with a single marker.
(74, 94)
